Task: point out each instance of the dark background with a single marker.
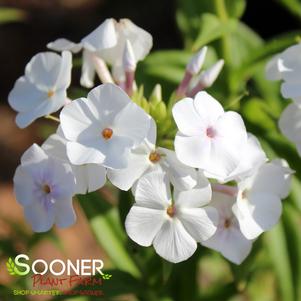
(50, 19)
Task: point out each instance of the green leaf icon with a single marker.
(11, 268)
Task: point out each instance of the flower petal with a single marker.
(142, 224)
(64, 214)
(153, 190)
(88, 71)
(173, 243)
(64, 44)
(200, 223)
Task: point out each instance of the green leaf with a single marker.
(105, 224)
(275, 242)
(8, 15)
(235, 9)
(294, 6)
(211, 28)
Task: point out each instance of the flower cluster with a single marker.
(116, 134)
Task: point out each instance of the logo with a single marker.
(59, 277)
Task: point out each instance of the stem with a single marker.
(101, 69)
(52, 118)
(182, 88)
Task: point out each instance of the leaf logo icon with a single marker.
(11, 268)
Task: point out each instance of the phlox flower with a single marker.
(147, 157)
(228, 239)
(89, 177)
(103, 127)
(173, 226)
(44, 186)
(208, 138)
(258, 206)
(108, 42)
(286, 66)
(42, 90)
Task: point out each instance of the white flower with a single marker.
(287, 67)
(197, 61)
(258, 206)
(290, 124)
(147, 157)
(89, 177)
(108, 42)
(208, 137)
(228, 239)
(251, 158)
(174, 228)
(45, 186)
(42, 90)
(104, 127)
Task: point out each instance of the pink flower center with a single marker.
(210, 132)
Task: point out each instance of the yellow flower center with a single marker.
(154, 157)
(171, 211)
(107, 133)
(46, 189)
(50, 93)
(227, 223)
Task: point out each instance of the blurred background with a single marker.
(26, 26)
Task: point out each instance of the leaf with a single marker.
(105, 224)
(211, 28)
(275, 243)
(8, 15)
(294, 6)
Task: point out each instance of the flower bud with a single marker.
(129, 60)
(208, 77)
(197, 61)
(156, 95)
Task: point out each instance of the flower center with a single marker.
(227, 223)
(46, 189)
(210, 132)
(50, 93)
(154, 157)
(171, 210)
(244, 194)
(107, 133)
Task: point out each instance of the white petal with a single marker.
(108, 99)
(199, 196)
(290, 90)
(40, 219)
(132, 122)
(88, 71)
(180, 175)
(103, 37)
(44, 69)
(142, 224)
(200, 223)
(208, 108)
(23, 187)
(153, 191)
(273, 177)
(231, 244)
(193, 151)
(96, 176)
(64, 214)
(124, 179)
(290, 122)
(64, 78)
(79, 120)
(173, 243)
(186, 117)
(25, 95)
(34, 155)
(64, 44)
(271, 69)
(140, 39)
(259, 213)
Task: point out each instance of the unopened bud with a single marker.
(208, 77)
(129, 60)
(197, 61)
(156, 95)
